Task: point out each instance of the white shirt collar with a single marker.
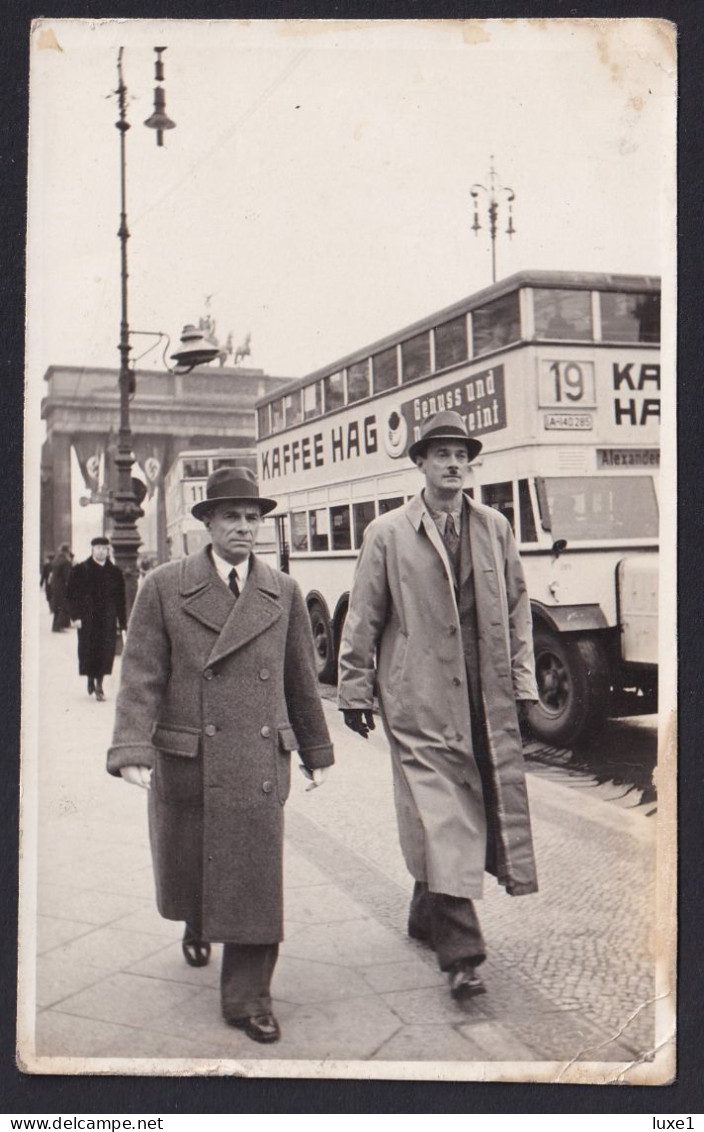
(225, 568)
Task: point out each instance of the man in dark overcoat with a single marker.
(218, 687)
(96, 602)
(58, 580)
(439, 621)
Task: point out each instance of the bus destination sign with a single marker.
(479, 399)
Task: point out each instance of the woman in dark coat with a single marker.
(96, 599)
(58, 580)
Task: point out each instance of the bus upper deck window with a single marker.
(277, 415)
(415, 357)
(334, 389)
(528, 529)
(195, 469)
(292, 408)
(630, 317)
(451, 343)
(263, 421)
(496, 324)
(358, 381)
(562, 314)
(390, 504)
(385, 369)
(312, 406)
(340, 527)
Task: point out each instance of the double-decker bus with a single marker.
(184, 485)
(558, 374)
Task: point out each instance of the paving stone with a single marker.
(355, 943)
(300, 981)
(75, 903)
(61, 1035)
(299, 871)
(408, 974)
(127, 999)
(109, 948)
(147, 920)
(321, 904)
(351, 1030)
(169, 964)
(51, 932)
(58, 979)
(432, 1005)
(495, 1042)
(149, 1044)
(430, 1043)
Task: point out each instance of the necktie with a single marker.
(233, 583)
(451, 537)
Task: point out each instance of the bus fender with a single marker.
(569, 618)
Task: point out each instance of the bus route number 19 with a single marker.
(566, 383)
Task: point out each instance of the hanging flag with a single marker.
(149, 452)
(89, 449)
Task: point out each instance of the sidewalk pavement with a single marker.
(569, 976)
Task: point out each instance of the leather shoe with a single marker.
(465, 982)
(91, 686)
(196, 951)
(259, 1027)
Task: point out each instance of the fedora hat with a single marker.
(444, 426)
(232, 485)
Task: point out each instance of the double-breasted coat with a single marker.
(403, 636)
(96, 596)
(215, 695)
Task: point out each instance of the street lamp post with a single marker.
(494, 193)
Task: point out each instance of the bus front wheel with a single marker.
(324, 645)
(574, 688)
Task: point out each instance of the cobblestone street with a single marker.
(570, 974)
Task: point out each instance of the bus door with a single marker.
(282, 542)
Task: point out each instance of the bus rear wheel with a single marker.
(324, 645)
(574, 689)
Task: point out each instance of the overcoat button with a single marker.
(208, 674)
(456, 681)
(265, 731)
(267, 786)
(264, 674)
(211, 729)
(452, 630)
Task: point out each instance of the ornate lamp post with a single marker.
(124, 509)
(494, 194)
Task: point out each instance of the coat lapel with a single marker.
(255, 611)
(205, 596)
(419, 516)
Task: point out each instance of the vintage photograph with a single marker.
(349, 687)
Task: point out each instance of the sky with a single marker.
(317, 184)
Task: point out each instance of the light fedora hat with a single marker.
(444, 426)
(232, 485)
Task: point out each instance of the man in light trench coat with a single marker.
(218, 688)
(439, 623)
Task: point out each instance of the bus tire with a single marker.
(323, 641)
(574, 688)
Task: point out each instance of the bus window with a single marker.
(390, 504)
(263, 421)
(340, 526)
(362, 513)
(562, 314)
(299, 530)
(358, 381)
(590, 507)
(496, 324)
(292, 408)
(195, 469)
(525, 507)
(385, 370)
(277, 415)
(312, 406)
(629, 317)
(334, 391)
(451, 343)
(415, 357)
(320, 529)
(500, 497)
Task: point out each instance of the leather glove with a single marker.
(360, 720)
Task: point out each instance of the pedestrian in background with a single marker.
(439, 619)
(58, 581)
(218, 687)
(96, 599)
(44, 577)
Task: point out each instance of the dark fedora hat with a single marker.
(100, 540)
(444, 426)
(232, 485)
